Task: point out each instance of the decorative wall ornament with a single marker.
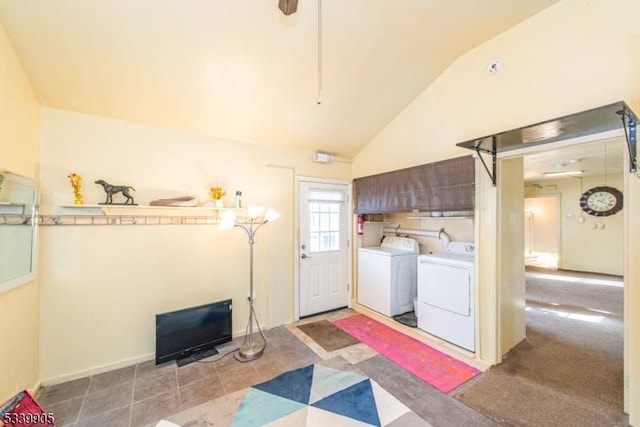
(115, 189)
(184, 201)
(601, 201)
(217, 193)
(76, 184)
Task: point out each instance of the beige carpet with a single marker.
(569, 370)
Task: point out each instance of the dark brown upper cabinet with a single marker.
(447, 185)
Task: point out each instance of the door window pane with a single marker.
(324, 235)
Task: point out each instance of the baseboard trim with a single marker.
(111, 366)
(98, 370)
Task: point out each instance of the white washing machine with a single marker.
(446, 294)
(387, 276)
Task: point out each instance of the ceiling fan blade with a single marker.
(288, 6)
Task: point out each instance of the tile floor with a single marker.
(141, 395)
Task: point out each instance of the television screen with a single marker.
(192, 333)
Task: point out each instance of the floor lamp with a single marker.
(258, 216)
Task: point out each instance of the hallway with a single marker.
(569, 370)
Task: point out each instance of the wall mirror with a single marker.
(18, 229)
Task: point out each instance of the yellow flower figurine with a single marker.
(76, 184)
(217, 193)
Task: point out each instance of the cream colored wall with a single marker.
(551, 63)
(458, 229)
(632, 291)
(571, 57)
(102, 285)
(20, 130)
(510, 279)
(631, 266)
(487, 243)
(585, 246)
(542, 224)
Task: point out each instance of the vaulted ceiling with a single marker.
(328, 77)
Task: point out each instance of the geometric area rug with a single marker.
(318, 395)
(331, 393)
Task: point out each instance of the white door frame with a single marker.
(297, 253)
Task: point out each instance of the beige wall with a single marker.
(558, 62)
(585, 246)
(632, 292)
(457, 228)
(571, 57)
(542, 224)
(102, 285)
(486, 238)
(510, 245)
(20, 129)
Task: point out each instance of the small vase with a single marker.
(78, 199)
(218, 203)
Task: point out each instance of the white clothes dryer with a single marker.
(387, 276)
(446, 294)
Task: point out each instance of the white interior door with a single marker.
(323, 246)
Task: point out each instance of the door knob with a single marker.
(304, 256)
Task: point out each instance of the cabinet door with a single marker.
(442, 186)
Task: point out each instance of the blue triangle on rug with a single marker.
(356, 402)
(259, 408)
(327, 381)
(294, 385)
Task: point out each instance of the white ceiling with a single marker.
(593, 159)
(241, 70)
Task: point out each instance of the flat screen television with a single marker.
(192, 333)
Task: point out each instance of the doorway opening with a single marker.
(573, 358)
(559, 232)
(542, 231)
(574, 283)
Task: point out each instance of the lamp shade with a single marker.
(228, 220)
(255, 211)
(271, 215)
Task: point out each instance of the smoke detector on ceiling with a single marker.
(494, 66)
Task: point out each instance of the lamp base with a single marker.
(250, 351)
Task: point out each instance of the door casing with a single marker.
(298, 253)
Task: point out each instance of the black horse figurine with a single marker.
(114, 189)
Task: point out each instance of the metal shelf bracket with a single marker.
(493, 153)
(629, 124)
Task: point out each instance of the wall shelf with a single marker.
(136, 215)
(439, 217)
(142, 210)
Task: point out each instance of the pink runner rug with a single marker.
(436, 368)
